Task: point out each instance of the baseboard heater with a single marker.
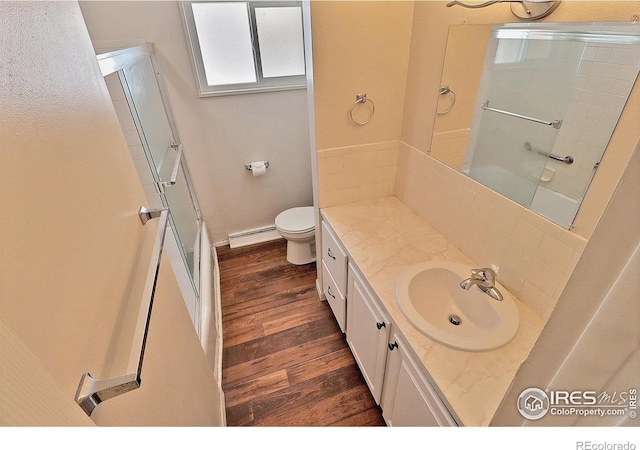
(253, 236)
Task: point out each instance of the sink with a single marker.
(430, 297)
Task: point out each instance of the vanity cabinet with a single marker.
(408, 398)
(395, 378)
(367, 332)
(334, 274)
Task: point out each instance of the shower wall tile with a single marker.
(605, 78)
(361, 172)
(535, 257)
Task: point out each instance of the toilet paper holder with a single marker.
(250, 167)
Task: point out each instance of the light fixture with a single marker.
(525, 10)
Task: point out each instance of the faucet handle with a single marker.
(484, 273)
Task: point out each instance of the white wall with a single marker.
(358, 48)
(74, 254)
(220, 134)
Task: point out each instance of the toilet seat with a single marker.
(298, 220)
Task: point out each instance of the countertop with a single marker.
(382, 237)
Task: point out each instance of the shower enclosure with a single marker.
(138, 92)
(548, 102)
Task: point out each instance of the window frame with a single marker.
(283, 83)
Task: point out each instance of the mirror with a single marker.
(528, 109)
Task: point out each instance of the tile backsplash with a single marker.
(535, 257)
(359, 172)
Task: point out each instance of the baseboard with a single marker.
(255, 236)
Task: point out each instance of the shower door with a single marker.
(152, 137)
(530, 84)
(164, 153)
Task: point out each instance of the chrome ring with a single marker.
(444, 90)
(362, 98)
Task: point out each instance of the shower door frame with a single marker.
(115, 62)
(121, 59)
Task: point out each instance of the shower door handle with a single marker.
(565, 159)
(91, 392)
(174, 172)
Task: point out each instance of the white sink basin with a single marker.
(430, 297)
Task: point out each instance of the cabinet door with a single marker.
(409, 399)
(367, 333)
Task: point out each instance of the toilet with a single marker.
(297, 226)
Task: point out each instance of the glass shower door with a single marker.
(531, 83)
(158, 137)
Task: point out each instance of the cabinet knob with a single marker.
(381, 325)
(329, 254)
(329, 292)
(392, 346)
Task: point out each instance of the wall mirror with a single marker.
(528, 109)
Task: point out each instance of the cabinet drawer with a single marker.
(335, 258)
(335, 297)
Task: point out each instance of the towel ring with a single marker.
(362, 98)
(444, 90)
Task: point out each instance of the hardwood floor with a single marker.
(285, 360)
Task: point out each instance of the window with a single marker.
(243, 47)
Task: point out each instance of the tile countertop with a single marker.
(382, 237)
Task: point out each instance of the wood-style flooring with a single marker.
(285, 360)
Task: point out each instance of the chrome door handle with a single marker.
(176, 167)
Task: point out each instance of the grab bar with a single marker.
(564, 159)
(91, 392)
(555, 123)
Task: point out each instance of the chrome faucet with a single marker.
(485, 279)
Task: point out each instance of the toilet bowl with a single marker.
(297, 226)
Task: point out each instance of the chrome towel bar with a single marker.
(555, 123)
(92, 392)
